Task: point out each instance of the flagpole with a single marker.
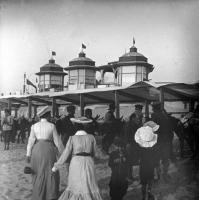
(24, 84)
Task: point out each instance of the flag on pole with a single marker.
(83, 46)
(133, 41)
(28, 82)
(53, 53)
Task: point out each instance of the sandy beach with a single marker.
(15, 185)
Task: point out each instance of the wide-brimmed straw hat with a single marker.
(145, 137)
(44, 111)
(153, 125)
(81, 120)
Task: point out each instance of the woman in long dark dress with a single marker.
(42, 151)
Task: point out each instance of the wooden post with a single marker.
(29, 107)
(161, 98)
(35, 111)
(81, 100)
(16, 109)
(57, 110)
(53, 106)
(102, 76)
(191, 105)
(117, 105)
(9, 104)
(146, 109)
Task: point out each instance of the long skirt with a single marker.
(45, 182)
(82, 183)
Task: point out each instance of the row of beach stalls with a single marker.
(144, 92)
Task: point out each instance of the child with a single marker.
(117, 162)
(146, 139)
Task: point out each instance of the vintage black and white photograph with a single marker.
(99, 100)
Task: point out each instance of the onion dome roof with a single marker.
(131, 58)
(81, 62)
(132, 55)
(51, 68)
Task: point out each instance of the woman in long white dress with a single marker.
(82, 183)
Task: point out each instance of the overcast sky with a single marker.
(166, 32)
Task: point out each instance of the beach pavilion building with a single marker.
(131, 67)
(51, 77)
(81, 73)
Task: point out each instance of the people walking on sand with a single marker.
(42, 150)
(64, 125)
(147, 140)
(7, 125)
(81, 148)
(118, 163)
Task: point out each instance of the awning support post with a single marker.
(29, 107)
(81, 97)
(161, 98)
(117, 105)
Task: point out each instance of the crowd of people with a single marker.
(138, 141)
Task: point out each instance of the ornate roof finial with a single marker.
(133, 41)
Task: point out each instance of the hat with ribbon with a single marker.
(81, 120)
(44, 111)
(153, 125)
(145, 137)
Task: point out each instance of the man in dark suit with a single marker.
(64, 125)
(165, 136)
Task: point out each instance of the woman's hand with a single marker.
(54, 169)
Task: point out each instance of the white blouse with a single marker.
(46, 131)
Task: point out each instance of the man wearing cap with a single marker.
(109, 127)
(165, 136)
(92, 127)
(138, 113)
(64, 125)
(109, 116)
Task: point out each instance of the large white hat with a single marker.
(145, 137)
(43, 111)
(81, 120)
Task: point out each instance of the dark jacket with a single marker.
(165, 133)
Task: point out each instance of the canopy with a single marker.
(138, 92)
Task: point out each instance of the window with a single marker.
(41, 79)
(90, 77)
(126, 75)
(81, 73)
(47, 78)
(141, 73)
(128, 78)
(56, 80)
(73, 75)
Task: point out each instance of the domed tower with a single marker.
(130, 68)
(51, 76)
(81, 73)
